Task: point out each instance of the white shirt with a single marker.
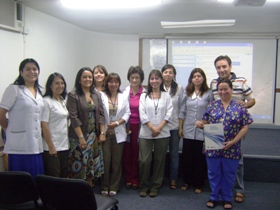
(147, 114)
(55, 114)
(24, 127)
(176, 102)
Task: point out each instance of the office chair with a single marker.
(71, 194)
(18, 191)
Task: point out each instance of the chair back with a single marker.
(17, 187)
(65, 194)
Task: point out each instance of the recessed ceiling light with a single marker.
(108, 4)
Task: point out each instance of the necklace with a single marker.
(113, 104)
(197, 93)
(155, 104)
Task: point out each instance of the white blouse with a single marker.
(55, 114)
(155, 111)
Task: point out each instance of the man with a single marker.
(244, 95)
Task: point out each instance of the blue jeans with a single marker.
(174, 140)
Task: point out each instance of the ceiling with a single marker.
(263, 20)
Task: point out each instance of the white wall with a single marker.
(116, 52)
(61, 47)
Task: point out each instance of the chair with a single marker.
(18, 191)
(71, 194)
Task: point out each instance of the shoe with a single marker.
(112, 193)
(135, 186)
(128, 185)
(153, 194)
(185, 187)
(105, 193)
(173, 185)
(239, 198)
(143, 193)
(227, 205)
(211, 204)
(197, 190)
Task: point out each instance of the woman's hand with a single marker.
(228, 145)
(180, 132)
(155, 130)
(112, 125)
(52, 151)
(83, 143)
(199, 124)
(102, 138)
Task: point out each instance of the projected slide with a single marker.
(186, 56)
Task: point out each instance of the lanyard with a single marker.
(156, 104)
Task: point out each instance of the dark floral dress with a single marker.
(88, 162)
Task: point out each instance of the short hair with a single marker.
(158, 74)
(49, 83)
(135, 70)
(227, 81)
(78, 86)
(100, 68)
(109, 78)
(174, 85)
(190, 87)
(20, 81)
(223, 57)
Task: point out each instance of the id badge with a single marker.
(155, 120)
(112, 118)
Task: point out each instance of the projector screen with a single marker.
(254, 59)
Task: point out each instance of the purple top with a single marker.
(233, 119)
(134, 106)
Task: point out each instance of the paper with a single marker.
(214, 136)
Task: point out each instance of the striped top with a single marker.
(241, 91)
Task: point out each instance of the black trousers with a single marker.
(194, 163)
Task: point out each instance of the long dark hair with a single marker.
(157, 73)
(49, 83)
(174, 85)
(190, 87)
(20, 81)
(109, 78)
(78, 86)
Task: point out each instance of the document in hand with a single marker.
(214, 136)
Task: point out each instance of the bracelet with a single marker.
(81, 136)
(117, 123)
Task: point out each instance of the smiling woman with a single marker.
(86, 132)
(24, 104)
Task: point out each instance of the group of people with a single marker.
(97, 130)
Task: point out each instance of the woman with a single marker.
(176, 92)
(55, 127)
(222, 164)
(155, 111)
(135, 76)
(24, 104)
(196, 99)
(99, 74)
(86, 132)
(117, 114)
